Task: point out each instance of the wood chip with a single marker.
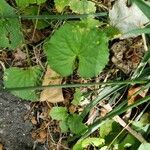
(52, 95)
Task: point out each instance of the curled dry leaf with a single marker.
(52, 95)
(40, 136)
(133, 96)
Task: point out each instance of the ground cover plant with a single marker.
(86, 73)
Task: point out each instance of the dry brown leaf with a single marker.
(34, 134)
(52, 95)
(19, 55)
(1, 146)
(33, 120)
(39, 136)
(132, 97)
(42, 136)
(72, 109)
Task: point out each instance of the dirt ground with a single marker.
(15, 132)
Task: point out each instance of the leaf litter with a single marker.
(46, 129)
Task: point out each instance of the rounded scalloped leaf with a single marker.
(75, 124)
(58, 113)
(75, 43)
(17, 77)
(26, 3)
(10, 29)
(61, 4)
(82, 6)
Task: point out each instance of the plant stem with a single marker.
(76, 85)
(53, 17)
(36, 22)
(28, 57)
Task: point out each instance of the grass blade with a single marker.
(107, 91)
(53, 17)
(145, 8)
(99, 122)
(126, 82)
(137, 31)
(139, 71)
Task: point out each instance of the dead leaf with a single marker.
(133, 97)
(42, 136)
(92, 116)
(126, 18)
(1, 146)
(39, 136)
(52, 95)
(19, 55)
(72, 109)
(33, 120)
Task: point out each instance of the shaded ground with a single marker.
(15, 132)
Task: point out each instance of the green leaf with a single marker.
(145, 8)
(61, 4)
(112, 31)
(78, 146)
(64, 126)
(4, 41)
(59, 113)
(92, 141)
(76, 43)
(106, 128)
(25, 3)
(109, 130)
(129, 141)
(77, 97)
(91, 22)
(10, 29)
(82, 144)
(75, 124)
(17, 77)
(104, 148)
(82, 6)
(144, 146)
(137, 31)
(143, 124)
(145, 119)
